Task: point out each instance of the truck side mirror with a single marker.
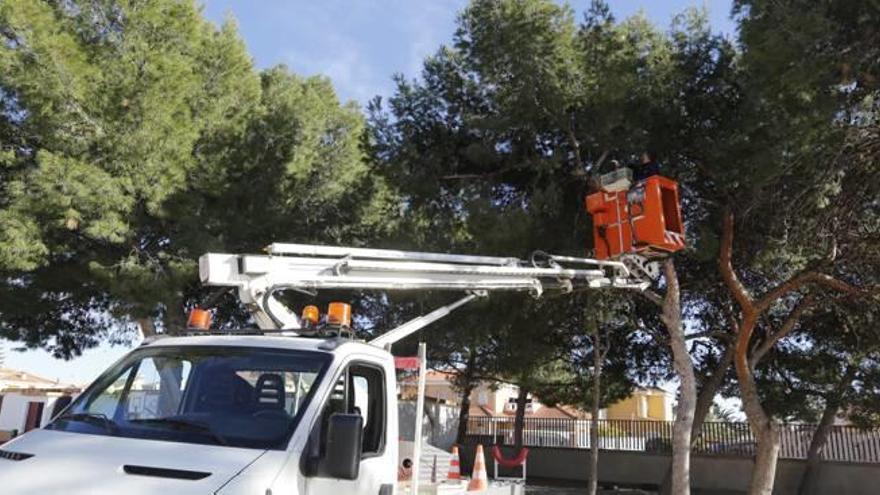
(60, 405)
(342, 457)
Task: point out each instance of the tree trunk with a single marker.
(175, 321)
(764, 472)
(817, 444)
(823, 431)
(593, 484)
(520, 421)
(763, 427)
(684, 368)
(705, 399)
(464, 410)
(709, 389)
(148, 328)
(464, 415)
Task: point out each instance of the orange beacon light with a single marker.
(311, 315)
(339, 313)
(199, 319)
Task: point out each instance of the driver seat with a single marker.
(269, 392)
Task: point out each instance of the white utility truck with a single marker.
(295, 407)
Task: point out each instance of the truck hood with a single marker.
(49, 462)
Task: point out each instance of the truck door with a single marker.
(360, 389)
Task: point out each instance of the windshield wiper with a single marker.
(92, 418)
(181, 423)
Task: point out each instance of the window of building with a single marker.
(511, 404)
(34, 417)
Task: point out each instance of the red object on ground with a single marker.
(406, 363)
(644, 220)
(510, 463)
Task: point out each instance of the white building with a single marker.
(26, 401)
(498, 400)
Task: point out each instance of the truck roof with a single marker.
(271, 342)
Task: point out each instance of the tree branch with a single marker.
(487, 175)
(787, 327)
(652, 296)
(575, 144)
(799, 281)
(725, 265)
(718, 334)
(148, 328)
(606, 346)
(671, 302)
(734, 324)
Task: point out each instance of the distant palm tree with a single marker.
(720, 413)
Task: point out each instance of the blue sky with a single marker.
(359, 44)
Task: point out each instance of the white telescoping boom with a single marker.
(309, 268)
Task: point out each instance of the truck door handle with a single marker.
(386, 489)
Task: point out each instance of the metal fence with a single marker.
(845, 443)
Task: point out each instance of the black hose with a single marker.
(269, 292)
(214, 296)
(538, 253)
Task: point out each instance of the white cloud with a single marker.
(343, 62)
(360, 45)
(427, 34)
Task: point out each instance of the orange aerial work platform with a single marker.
(643, 219)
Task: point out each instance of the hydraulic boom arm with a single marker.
(309, 268)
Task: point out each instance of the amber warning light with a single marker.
(339, 314)
(311, 315)
(199, 319)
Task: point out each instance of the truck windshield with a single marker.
(230, 396)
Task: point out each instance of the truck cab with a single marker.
(222, 414)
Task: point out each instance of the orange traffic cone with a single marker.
(454, 466)
(479, 478)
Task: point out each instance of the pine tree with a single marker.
(137, 135)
